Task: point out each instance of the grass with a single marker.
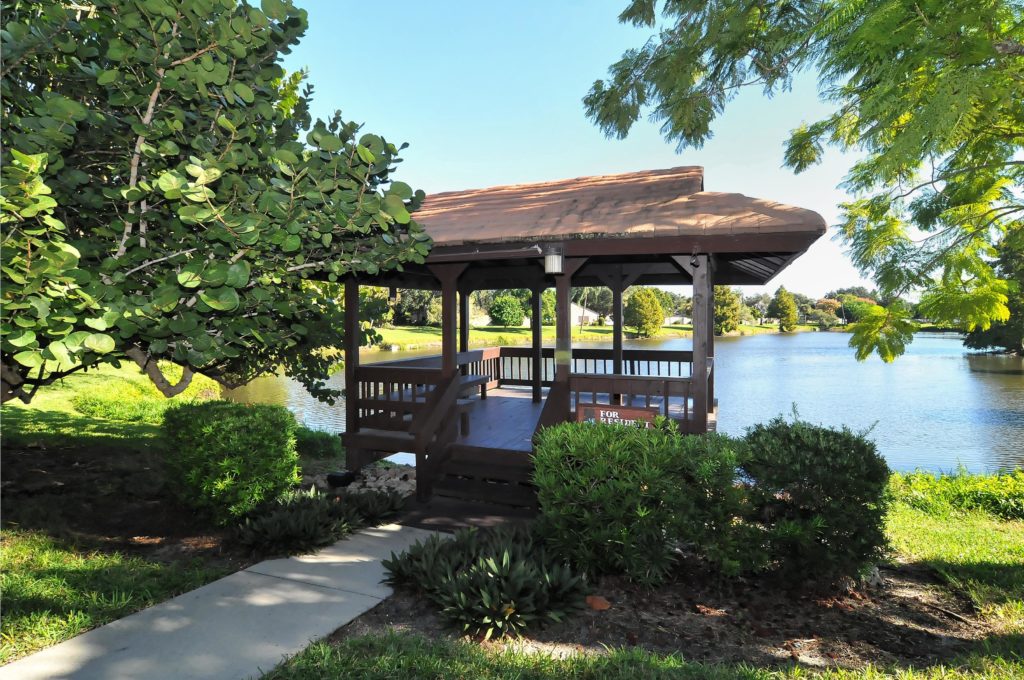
(409, 337)
(103, 406)
(54, 590)
(976, 554)
(970, 530)
(1000, 494)
(413, 657)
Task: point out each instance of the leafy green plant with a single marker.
(818, 495)
(1001, 494)
(489, 582)
(297, 522)
(618, 499)
(227, 458)
(300, 521)
(373, 507)
(315, 444)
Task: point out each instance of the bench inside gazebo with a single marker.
(469, 416)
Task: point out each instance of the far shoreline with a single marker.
(413, 338)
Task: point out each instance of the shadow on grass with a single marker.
(54, 589)
(411, 656)
(63, 429)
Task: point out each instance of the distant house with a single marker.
(581, 316)
(677, 321)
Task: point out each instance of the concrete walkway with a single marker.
(238, 627)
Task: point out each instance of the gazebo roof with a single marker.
(653, 203)
(644, 225)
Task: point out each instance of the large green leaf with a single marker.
(222, 299)
(22, 339)
(101, 343)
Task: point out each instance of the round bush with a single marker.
(618, 499)
(227, 458)
(818, 494)
(506, 310)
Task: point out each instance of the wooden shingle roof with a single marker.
(655, 203)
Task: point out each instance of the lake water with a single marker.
(934, 408)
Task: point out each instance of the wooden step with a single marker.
(518, 495)
(379, 440)
(487, 456)
(493, 472)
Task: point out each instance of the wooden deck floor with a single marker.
(505, 420)
(508, 418)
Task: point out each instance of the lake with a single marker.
(934, 408)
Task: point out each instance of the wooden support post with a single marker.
(351, 348)
(701, 306)
(711, 333)
(563, 331)
(617, 322)
(448, 275)
(537, 374)
(464, 321)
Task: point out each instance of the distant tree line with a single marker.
(646, 308)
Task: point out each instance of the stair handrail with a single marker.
(441, 403)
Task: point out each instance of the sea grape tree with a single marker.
(167, 197)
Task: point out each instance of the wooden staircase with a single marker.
(500, 476)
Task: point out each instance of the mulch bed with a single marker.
(908, 619)
(109, 500)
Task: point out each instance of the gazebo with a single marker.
(469, 416)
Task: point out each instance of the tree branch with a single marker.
(1009, 47)
(133, 179)
(150, 263)
(152, 370)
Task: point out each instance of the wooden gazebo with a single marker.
(470, 416)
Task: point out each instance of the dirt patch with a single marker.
(108, 499)
(908, 619)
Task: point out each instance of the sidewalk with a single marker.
(238, 627)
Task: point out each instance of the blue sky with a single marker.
(490, 93)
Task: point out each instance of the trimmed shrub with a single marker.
(227, 458)
(489, 582)
(315, 444)
(818, 496)
(619, 499)
(1001, 494)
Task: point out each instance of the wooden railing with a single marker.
(390, 397)
(395, 394)
(517, 363)
(670, 395)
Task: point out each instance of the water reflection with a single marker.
(935, 408)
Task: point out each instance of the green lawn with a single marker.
(54, 590)
(413, 657)
(410, 337)
(977, 554)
